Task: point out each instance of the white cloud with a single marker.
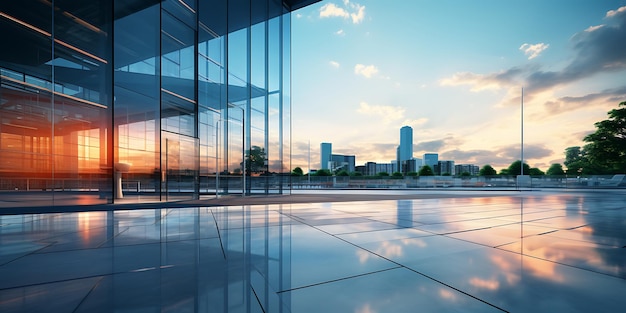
(365, 70)
(415, 123)
(385, 112)
(331, 10)
(478, 82)
(352, 11)
(616, 12)
(533, 51)
(359, 15)
(340, 32)
(593, 28)
(334, 64)
(298, 15)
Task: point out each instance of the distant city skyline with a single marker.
(453, 71)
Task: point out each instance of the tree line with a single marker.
(603, 154)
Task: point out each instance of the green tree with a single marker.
(297, 172)
(357, 174)
(465, 174)
(446, 174)
(383, 174)
(323, 172)
(255, 160)
(556, 169)
(426, 171)
(411, 174)
(606, 147)
(397, 175)
(533, 171)
(577, 162)
(515, 168)
(573, 155)
(343, 173)
(487, 170)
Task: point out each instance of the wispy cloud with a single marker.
(436, 145)
(334, 64)
(365, 70)
(533, 50)
(479, 82)
(387, 113)
(340, 32)
(569, 103)
(352, 11)
(593, 28)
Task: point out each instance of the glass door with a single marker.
(180, 179)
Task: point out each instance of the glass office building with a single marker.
(163, 100)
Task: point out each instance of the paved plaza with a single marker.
(358, 251)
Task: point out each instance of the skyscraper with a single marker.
(406, 143)
(431, 159)
(326, 152)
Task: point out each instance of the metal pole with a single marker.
(217, 154)
(243, 140)
(522, 134)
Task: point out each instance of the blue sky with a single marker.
(453, 70)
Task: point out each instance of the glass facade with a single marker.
(142, 99)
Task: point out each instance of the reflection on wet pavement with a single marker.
(539, 252)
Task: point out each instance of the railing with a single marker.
(489, 182)
(273, 183)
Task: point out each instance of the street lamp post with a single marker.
(521, 180)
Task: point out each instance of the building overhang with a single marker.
(298, 4)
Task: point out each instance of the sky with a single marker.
(454, 72)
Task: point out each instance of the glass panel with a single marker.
(274, 151)
(285, 127)
(237, 123)
(54, 133)
(180, 157)
(274, 54)
(184, 10)
(82, 49)
(258, 61)
(137, 110)
(178, 59)
(232, 180)
(208, 123)
(211, 91)
(82, 77)
(238, 58)
(26, 107)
